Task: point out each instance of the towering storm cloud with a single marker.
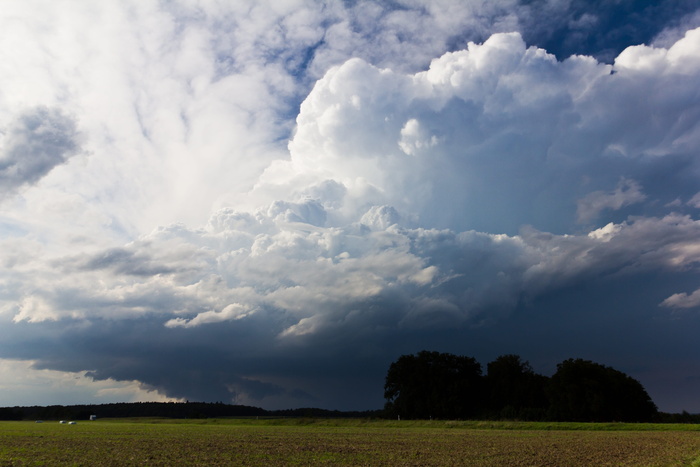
(268, 205)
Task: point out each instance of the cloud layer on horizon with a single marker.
(166, 235)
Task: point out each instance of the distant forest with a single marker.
(198, 410)
(168, 410)
(432, 385)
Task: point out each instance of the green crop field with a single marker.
(345, 442)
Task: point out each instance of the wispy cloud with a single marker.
(627, 192)
(683, 300)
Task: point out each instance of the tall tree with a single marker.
(582, 390)
(433, 384)
(514, 389)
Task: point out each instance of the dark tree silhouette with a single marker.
(441, 385)
(582, 390)
(433, 384)
(168, 410)
(514, 389)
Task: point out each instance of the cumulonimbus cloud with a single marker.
(408, 201)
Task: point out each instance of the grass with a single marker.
(345, 442)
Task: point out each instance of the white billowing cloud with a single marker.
(627, 192)
(380, 217)
(308, 212)
(414, 139)
(500, 133)
(680, 58)
(665, 76)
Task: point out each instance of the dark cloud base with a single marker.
(605, 320)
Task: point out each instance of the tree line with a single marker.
(169, 410)
(441, 386)
(446, 386)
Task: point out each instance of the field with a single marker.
(345, 442)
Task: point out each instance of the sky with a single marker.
(268, 202)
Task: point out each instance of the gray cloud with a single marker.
(627, 192)
(33, 144)
(683, 300)
(296, 290)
